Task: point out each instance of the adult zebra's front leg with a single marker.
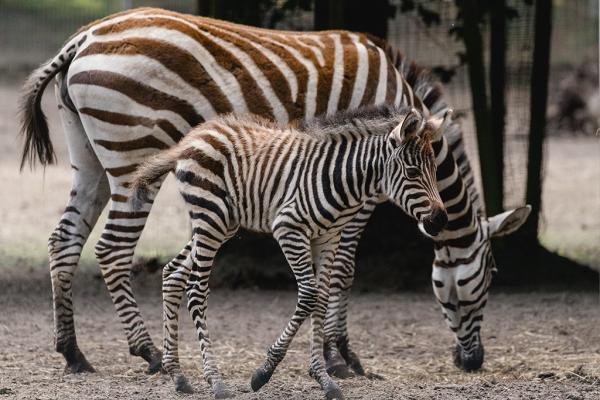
(338, 354)
(114, 252)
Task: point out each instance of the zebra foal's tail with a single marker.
(149, 172)
(34, 125)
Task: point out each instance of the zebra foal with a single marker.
(303, 186)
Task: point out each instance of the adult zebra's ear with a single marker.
(508, 222)
(410, 125)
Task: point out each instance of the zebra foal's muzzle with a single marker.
(436, 221)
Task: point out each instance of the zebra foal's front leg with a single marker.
(338, 354)
(312, 295)
(323, 251)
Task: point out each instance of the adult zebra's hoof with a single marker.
(78, 364)
(154, 358)
(221, 391)
(333, 392)
(354, 362)
(259, 378)
(182, 385)
(340, 371)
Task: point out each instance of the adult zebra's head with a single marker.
(461, 278)
(409, 177)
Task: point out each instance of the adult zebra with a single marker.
(303, 186)
(135, 82)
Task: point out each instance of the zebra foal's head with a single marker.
(409, 178)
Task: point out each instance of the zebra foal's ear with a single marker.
(434, 128)
(409, 126)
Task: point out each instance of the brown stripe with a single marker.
(278, 82)
(132, 120)
(120, 171)
(113, 214)
(145, 142)
(119, 198)
(373, 74)
(175, 59)
(254, 97)
(350, 67)
(391, 91)
(139, 92)
(325, 74)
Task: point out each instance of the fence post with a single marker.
(497, 80)
(487, 149)
(538, 104)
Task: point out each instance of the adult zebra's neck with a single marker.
(462, 228)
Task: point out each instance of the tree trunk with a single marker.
(539, 100)
(487, 149)
(498, 89)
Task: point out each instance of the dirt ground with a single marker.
(538, 346)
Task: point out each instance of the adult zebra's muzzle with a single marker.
(436, 221)
(469, 361)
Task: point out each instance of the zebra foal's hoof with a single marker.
(221, 391)
(259, 378)
(77, 364)
(333, 392)
(339, 370)
(182, 385)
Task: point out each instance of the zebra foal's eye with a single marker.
(412, 172)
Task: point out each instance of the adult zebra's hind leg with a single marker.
(88, 197)
(338, 354)
(114, 252)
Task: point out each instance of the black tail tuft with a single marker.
(33, 121)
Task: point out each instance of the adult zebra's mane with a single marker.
(429, 91)
(373, 117)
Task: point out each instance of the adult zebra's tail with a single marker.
(149, 172)
(33, 121)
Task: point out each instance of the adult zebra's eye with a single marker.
(412, 172)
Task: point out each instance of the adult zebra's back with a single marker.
(134, 83)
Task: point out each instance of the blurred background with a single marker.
(556, 169)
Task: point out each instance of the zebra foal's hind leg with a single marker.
(175, 277)
(206, 242)
(88, 197)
